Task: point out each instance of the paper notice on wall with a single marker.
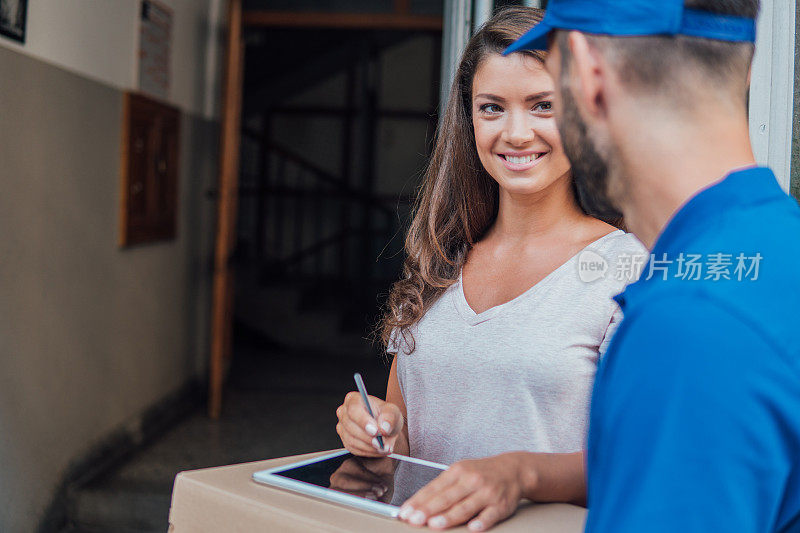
(154, 49)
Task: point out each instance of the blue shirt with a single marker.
(695, 418)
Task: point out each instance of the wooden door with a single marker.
(222, 304)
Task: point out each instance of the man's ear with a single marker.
(589, 75)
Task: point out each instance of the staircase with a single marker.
(105, 508)
(277, 403)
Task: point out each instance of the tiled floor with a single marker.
(276, 404)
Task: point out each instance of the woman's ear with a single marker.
(589, 75)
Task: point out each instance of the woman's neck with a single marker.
(540, 215)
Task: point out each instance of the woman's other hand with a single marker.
(483, 492)
(480, 492)
(359, 431)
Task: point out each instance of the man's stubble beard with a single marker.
(590, 171)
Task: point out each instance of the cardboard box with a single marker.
(227, 500)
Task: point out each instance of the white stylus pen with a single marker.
(363, 390)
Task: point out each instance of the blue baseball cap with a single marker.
(634, 18)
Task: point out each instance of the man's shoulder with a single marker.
(698, 326)
(744, 274)
(675, 309)
(771, 226)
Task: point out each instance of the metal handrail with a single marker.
(302, 192)
(318, 246)
(382, 199)
(370, 200)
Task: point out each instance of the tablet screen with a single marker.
(382, 479)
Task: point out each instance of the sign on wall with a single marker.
(12, 19)
(154, 49)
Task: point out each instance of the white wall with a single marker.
(772, 88)
(99, 39)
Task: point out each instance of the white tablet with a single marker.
(377, 485)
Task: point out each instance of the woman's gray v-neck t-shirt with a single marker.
(517, 376)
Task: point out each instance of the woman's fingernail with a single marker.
(371, 429)
(376, 444)
(475, 525)
(386, 427)
(437, 522)
(405, 511)
(418, 518)
(377, 489)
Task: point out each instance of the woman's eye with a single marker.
(543, 107)
(491, 108)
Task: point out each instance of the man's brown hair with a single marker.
(663, 63)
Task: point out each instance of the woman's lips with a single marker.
(517, 167)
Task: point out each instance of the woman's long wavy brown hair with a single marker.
(458, 200)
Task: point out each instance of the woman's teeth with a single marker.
(521, 160)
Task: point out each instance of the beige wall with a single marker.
(90, 335)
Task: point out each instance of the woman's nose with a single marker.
(519, 130)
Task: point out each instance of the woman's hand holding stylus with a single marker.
(359, 431)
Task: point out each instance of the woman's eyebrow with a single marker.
(539, 96)
(536, 96)
(491, 97)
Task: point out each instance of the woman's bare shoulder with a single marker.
(591, 230)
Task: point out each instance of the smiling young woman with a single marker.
(496, 337)
(514, 127)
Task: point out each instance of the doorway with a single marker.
(337, 123)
